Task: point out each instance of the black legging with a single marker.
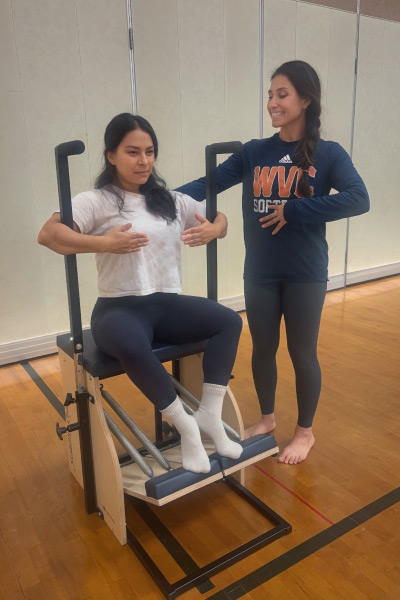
(301, 305)
(126, 327)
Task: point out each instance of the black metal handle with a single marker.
(62, 151)
(224, 148)
(69, 428)
(70, 148)
(211, 209)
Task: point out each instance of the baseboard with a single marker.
(236, 303)
(335, 282)
(26, 349)
(46, 344)
(373, 273)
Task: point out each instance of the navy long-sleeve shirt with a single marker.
(267, 170)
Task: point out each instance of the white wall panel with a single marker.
(197, 69)
(389, 143)
(337, 116)
(106, 92)
(194, 74)
(9, 78)
(202, 82)
(71, 62)
(242, 86)
(22, 304)
(202, 79)
(104, 62)
(339, 81)
(157, 67)
(54, 113)
(47, 41)
(157, 80)
(280, 24)
(366, 154)
(374, 237)
(312, 41)
(325, 38)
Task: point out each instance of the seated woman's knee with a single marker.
(232, 320)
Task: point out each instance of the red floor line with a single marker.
(295, 495)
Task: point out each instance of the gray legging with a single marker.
(301, 305)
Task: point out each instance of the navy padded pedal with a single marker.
(251, 447)
(176, 480)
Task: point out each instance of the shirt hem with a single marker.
(261, 281)
(139, 292)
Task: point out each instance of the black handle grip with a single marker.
(62, 152)
(223, 148)
(70, 148)
(211, 209)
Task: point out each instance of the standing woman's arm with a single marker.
(229, 173)
(352, 198)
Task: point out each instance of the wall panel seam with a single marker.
(352, 127)
(131, 56)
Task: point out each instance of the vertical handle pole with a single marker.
(211, 208)
(62, 151)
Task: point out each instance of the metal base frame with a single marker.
(201, 574)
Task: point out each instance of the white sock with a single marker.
(208, 417)
(194, 456)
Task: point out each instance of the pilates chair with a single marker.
(151, 473)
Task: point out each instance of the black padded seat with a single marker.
(100, 365)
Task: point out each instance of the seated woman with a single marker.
(134, 226)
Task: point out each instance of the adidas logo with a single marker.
(286, 159)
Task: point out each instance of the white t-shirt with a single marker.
(157, 266)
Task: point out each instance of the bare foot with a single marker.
(265, 425)
(299, 447)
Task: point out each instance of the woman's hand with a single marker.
(119, 241)
(206, 231)
(275, 218)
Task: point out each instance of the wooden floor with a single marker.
(343, 502)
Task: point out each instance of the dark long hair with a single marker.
(307, 84)
(159, 201)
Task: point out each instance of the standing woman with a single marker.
(134, 225)
(287, 182)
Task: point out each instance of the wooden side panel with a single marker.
(109, 491)
(67, 367)
(191, 374)
(232, 416)
(231, 413)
